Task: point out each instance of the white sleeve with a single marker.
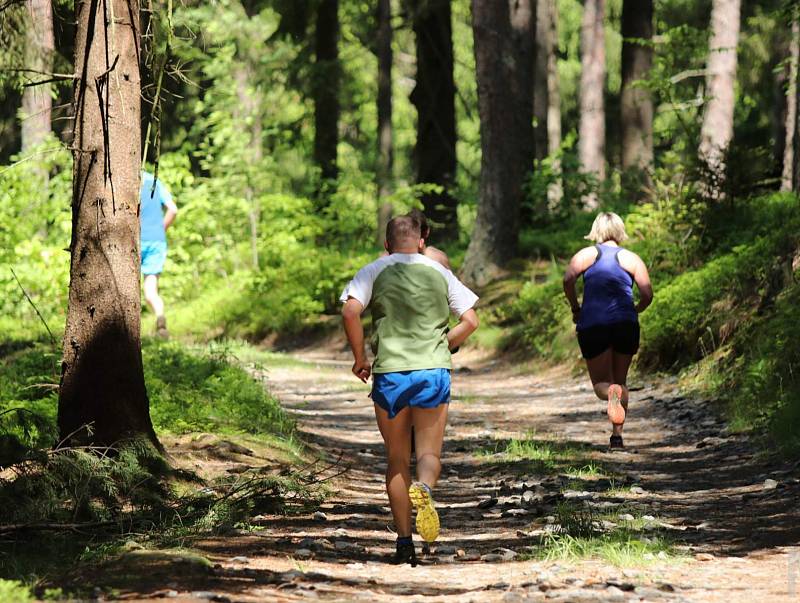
(360, 287)
(459, 296)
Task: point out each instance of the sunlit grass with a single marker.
(581, 533)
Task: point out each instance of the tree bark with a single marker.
(326, 89)
(541, 96)
(504, 67)
(102, 397)
(592, 126)
(384, 172)
(37, 102)
(434, 98)
(787, 177)
(550, 14)
(717, 129)
(636, 101)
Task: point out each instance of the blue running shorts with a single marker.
(426, 388)
(154, 254)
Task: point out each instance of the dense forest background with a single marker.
(288, 131)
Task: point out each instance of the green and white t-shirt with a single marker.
(411, 297)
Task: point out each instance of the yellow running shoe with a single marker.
(427, 517)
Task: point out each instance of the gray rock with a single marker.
(445, 550)
(512, 597)
(626, 517)
(492, 558)
(770, 484)
(240, 559)
(647, 593)
(578, 495)
(488, 503)
(638, 490)
(303, 553)
(209, 596)
(319, 516)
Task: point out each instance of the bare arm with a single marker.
(642, 279)
(437, 255)
(633, 264)
(466, 326)
(171, 213)
(351, 317)
(577, 266)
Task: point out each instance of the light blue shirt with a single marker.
(150, 213)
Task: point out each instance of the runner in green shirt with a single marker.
(411, 297)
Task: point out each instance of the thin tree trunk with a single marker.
(248, 112)
(434, 98)
(636, 102)
(37, 102)
(787, 177)
(541, 96)
(555, 191)
(717, 129)
(504, 68)
(102, 397)
(384, 172)
(592, 126)
(796, 137)
(326, 89)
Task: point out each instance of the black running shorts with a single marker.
(622, 337)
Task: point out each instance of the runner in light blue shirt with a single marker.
(153, 198)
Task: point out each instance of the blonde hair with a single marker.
(607, 226)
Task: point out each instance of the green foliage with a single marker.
(75, 484)
(207, 391)
(543, 320)
(12, 591)
(759, 373)
(35, 225)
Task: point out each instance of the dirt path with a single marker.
(734, 534)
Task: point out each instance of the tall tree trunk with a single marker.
(434, 98)
(636, 101)
(592, 126)
(717, 129)
(326, 89)
(796, 137)
(787, 177)
(541, 96)
(102, 398)
(248, 112)
(384, 172)
(555, 191)
(37, 102)
(504, 68)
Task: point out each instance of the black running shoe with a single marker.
(615, 443)
(405, 553)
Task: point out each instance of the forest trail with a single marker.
(683, 478)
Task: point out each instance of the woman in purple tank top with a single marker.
(607, 322)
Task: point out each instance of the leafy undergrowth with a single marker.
(68, 507)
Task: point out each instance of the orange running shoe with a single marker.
(616, 412)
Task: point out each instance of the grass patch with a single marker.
(579, 533)
(623, 548)
(541, 455)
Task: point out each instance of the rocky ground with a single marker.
(713, 519)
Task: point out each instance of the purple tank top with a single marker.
(607, 291)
